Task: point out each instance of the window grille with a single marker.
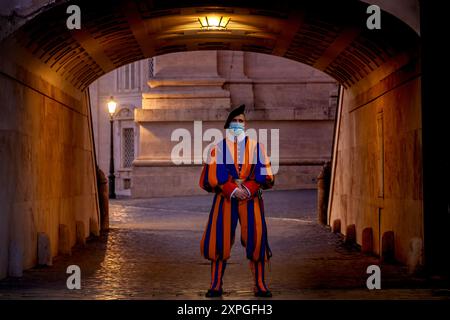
(150, 68)
(128, 147)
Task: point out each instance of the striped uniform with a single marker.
(218, 176)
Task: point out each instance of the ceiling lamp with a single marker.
(214, 22)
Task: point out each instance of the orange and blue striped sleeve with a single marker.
(263, 171)
(262, 176)
(214, 176)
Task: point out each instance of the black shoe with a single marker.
(263, 294)
(213, 293)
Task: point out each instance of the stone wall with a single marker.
(154, 174)
(46, 168)
(378, 173)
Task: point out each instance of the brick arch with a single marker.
(46, 67)
(328, 36)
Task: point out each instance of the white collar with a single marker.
(231, 136)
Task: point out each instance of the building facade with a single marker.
(192, 92)
(126, 84)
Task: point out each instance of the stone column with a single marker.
(232, 68)
(186, 87)
(323, 191)
(102, 184)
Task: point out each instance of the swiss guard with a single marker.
(236, 170)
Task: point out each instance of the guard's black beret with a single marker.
(233, 113)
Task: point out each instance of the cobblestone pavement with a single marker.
(152, 252)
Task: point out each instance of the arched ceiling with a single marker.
(330, 36)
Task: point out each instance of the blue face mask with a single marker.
(236, 128)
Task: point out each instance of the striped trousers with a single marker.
(219, 235)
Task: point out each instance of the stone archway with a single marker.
(45, 68)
